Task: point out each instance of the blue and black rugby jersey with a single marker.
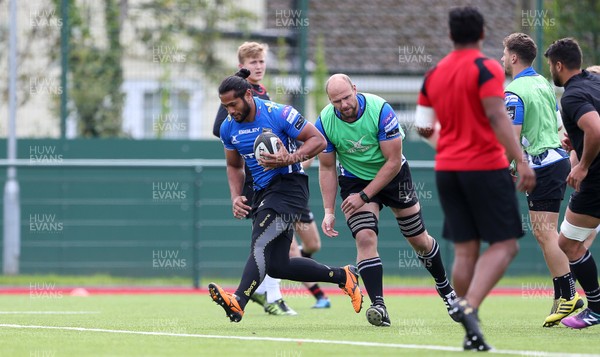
(283, 120)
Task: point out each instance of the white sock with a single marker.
(262, 288)
(272, 288)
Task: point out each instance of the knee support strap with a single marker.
(411, 226)
(573, 232)
(362, 220)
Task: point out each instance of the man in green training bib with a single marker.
(362, 131)
(531, 105)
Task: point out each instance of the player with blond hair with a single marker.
(252, 56)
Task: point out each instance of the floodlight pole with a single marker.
(12, 206)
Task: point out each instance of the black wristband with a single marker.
(364, 196)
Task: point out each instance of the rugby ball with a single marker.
(265, 142)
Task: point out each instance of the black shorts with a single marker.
(248, 189)
(551, 183)
(286, 194)
(587, 200)
(399, 193)
(306, 216)
(248, 192)
(479, 205)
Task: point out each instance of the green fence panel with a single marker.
(164, 221)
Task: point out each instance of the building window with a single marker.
(166, 114)
(152, 113)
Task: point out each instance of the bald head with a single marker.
(338, 79)
(342, 95)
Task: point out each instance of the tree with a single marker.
(186, 32)
(320, 76)
(43, 25)
(192, 27)
(96, 73)
(277, 91)
(578, 19)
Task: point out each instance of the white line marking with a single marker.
(48, 312)
(301, 340)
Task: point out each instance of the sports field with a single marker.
(52, 323)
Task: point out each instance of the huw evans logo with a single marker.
(537, 18)
(291, 18)
(44, 17)
(168, 191)
(45, 223)
(44, 85)
(168, 123)
(44, 154)
(168, 259)
(44, 291)
(168, 54)
(413, 54)
(42, 353)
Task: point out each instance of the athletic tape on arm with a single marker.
(424, 117)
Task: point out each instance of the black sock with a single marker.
(587, 274)
(305, 254)
(317, 292)
(593, 299)
(315, 289)
(249, 283)
(557, 289)
(371, 271)
(566, 286)
(432, 261)
(304, 269)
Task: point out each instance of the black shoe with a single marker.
(377, 315)
(467, 316)
(448, 299)
(473, 343)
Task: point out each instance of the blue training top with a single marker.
(283, 120)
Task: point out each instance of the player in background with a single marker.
(574, 161)
(593, 69)
(281, 191)
(363, 133)
(531, 105)
(252, 55)
(464, 92)
(580, 104)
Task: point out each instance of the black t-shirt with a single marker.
(581, 96)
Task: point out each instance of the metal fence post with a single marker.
(196, 226)
(12, 205)
(64, 66)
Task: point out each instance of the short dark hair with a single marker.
(466, 25)
(522, 45)
(236, 83)
(566, 51)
